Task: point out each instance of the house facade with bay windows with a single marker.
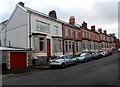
(31, 29)
(45, 35)
(71, 37)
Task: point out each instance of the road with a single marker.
(102, 71)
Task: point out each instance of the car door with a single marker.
(71, 61)
(88, 56)
(66, 59)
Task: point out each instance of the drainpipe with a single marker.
(73, 44)
(63, 47)
(5, 36)
(30, 31)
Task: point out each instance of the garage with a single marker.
(13, 58)
(18, 59)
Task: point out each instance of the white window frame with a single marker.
(38, 26)
(56, 30)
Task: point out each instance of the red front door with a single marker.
(17, 60)
(48, 48)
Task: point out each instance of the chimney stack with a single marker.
(53, 14)
(105, 32)
(72, 20)
(100, 30)
(93, 28)
(84, 24)
(21, 4)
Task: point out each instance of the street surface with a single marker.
(102, 71)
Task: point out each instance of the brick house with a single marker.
(46, 35)
(71, 37)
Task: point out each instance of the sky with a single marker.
(101, 13)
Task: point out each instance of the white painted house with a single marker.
(1, 27)
(30, 29)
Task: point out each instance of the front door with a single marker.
(48, 48)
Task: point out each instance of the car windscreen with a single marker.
(83, 54)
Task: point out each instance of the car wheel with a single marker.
(90, 59)
(63, 65)
(75, 62)
(84, 60)
(51, 66)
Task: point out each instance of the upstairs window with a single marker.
(72, 33)
(41, 26)
(77, 34)
(83, 33)
(87, 34)
(56, 30)
(66, 32)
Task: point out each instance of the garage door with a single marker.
(17, 60)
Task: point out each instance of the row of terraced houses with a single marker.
(46, 35)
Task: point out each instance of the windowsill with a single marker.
(42, 31)
(57, 51)
(39, 51)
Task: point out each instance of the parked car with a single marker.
(109, 52)
(103, 53)
(94, 55)
(99, 54)
(83, 57)
(118, 50)
(63, 60)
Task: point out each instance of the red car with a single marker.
(109, 52)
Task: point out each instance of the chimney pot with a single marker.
(93, 27)
(21, 3)
(84, 24)
(72, 20)
(52, 14)
(100, 30)
(105, 32)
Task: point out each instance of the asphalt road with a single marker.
(102, 71)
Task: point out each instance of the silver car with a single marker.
(103, 53)
(62, 61)
(83, 57)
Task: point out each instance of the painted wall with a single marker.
(35, 17)
(16, 30)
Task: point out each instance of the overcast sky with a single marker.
(101, 13)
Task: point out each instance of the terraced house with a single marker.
(46, 35)
(90, 38)
(31, 29)
(71, 37)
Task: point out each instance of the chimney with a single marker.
(105, 32)
(21, 4)
(84, 24)
(52, 14)
(72, 20)
(93, 28)
(100, 30)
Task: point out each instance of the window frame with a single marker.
(56, 28)
(38, 26)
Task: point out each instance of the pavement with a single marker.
(103, 71)
(25, 70)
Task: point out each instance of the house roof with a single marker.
(43, 15)
(12, 49)
(51, 18)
